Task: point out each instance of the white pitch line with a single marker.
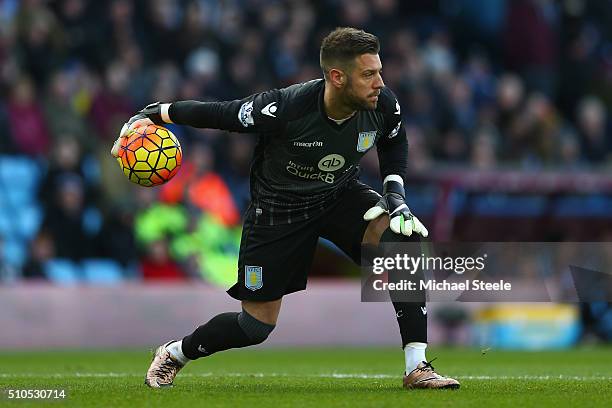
(288, 375)
(534, 377)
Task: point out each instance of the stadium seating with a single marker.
(20, 217)
(15, 251)
(592, 205)
(508, 205)
(62, 272)
(101, 272)
(89, 272)
(27, 221)
(6, 224)
(19, 177)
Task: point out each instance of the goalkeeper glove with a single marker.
(156, 113)
(402, 221)
(152, 111)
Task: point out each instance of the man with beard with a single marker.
(304, 185)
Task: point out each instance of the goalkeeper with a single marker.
(304, 185)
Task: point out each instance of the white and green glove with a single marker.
(402, 221)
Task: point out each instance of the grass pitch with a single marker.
(339, 377)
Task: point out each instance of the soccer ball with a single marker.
(150, 155)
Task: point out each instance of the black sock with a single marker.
(410, 310)
(411, 316)
(412, 322)
(222, 332)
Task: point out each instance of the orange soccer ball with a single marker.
(150, 156)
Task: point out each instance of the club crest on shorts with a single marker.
(366, 140)
(253, 277)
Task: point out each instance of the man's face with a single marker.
(364, 83)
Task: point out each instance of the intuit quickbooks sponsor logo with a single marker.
(331, 162)
(411, 264)
(308, 172)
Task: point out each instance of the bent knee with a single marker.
(266, 312)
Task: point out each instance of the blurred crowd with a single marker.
(486, 84)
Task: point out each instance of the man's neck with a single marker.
(334, 108)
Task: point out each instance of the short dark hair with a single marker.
(342, 45)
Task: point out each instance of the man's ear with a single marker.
(337, 77)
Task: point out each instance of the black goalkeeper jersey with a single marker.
(302, 159)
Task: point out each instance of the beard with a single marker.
(355, 102)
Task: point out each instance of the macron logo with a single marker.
(397, 108)
(270, 109)
(424, 310)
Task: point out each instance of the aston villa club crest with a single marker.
(253, 277)
(366, 140)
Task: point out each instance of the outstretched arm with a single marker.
(256, 113)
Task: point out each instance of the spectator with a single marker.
(569, 152)
(510, 99)
(530, 42)
(27, 123)
(119, 224)
(42, 249)
(483, 154)
(453, 147)
(420, 160)
(66, 162)
(205, 190)
(480, 80)
(78, 22)
(66, 220)
(41, 41)
(60, 114)
(72, 72)
(111, 104)
(236, 168)
(6, 142)
(157, 265)
(593, 130)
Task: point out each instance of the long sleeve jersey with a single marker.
(303, 160)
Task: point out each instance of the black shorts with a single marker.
(275, 260)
